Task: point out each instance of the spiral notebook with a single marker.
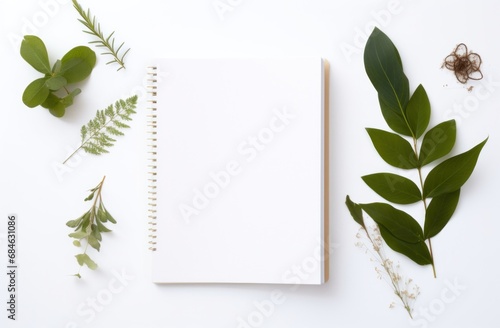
(239, 170)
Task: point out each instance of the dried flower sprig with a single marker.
(465, 64)
(404, 288)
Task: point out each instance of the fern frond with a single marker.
(96, 136)
(94, 28)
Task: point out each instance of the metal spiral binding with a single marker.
(152, 154)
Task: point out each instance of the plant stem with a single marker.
(72, 154)
(424, 201)
(432, 257)
(92, 215)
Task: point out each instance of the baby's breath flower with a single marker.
(403, 288)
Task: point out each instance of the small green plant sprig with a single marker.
(89, 227)
(97, 135)
(94, 28)
(409, 117)
(51, 90)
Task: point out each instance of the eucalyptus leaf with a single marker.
(68, 99)
(384, 68)
(90, 197)
(451, 174)
(96, 233)
(84, 216)
(438, 142)
(34, 52)
(102, 227)
(94, 242)
(58, 110)
(56, 82)
(35, 93)
(417, 252)
(55, 105)
(399, 223)
(74, 223)
(77, 64)
(77, 243)
(56, 68)
(101, 214)
(393, 187)
(85, 259)
(418, 111)
(86, 223)
(439, 213)
(355, 210)
(78, 234)
(393, 148)
(110, 217)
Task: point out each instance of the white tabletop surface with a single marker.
(466, 292)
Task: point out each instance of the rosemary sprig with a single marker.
(96, 135)
(94, 28)
(89, 227)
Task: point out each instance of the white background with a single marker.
(31, 141)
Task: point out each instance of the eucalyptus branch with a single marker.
(96, 135)
(89, 227)
(94, 28)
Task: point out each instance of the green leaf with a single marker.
(86, 222)
(418, 111)
(417, 252)
(400, 224)
(451, 174)
(355, 210)
(84, 217)
(393, 149)
(101, 214)
(89, 197)
(56, 68)
(96, 136)
(385, 70)
(51, 101)
(94, 242)
(56, 82)
(96, 233)
(34, 52)
(438, 142)
(77, 64)
(78, 234)
(77, 243)
(439, 213)
(102, 227)
(85, 259)
(68, 99)
(58, 110)
(74, 223)
(109, 217)
(36, 93)
(394, 188)
(55, 105)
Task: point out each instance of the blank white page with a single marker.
(240, 171)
